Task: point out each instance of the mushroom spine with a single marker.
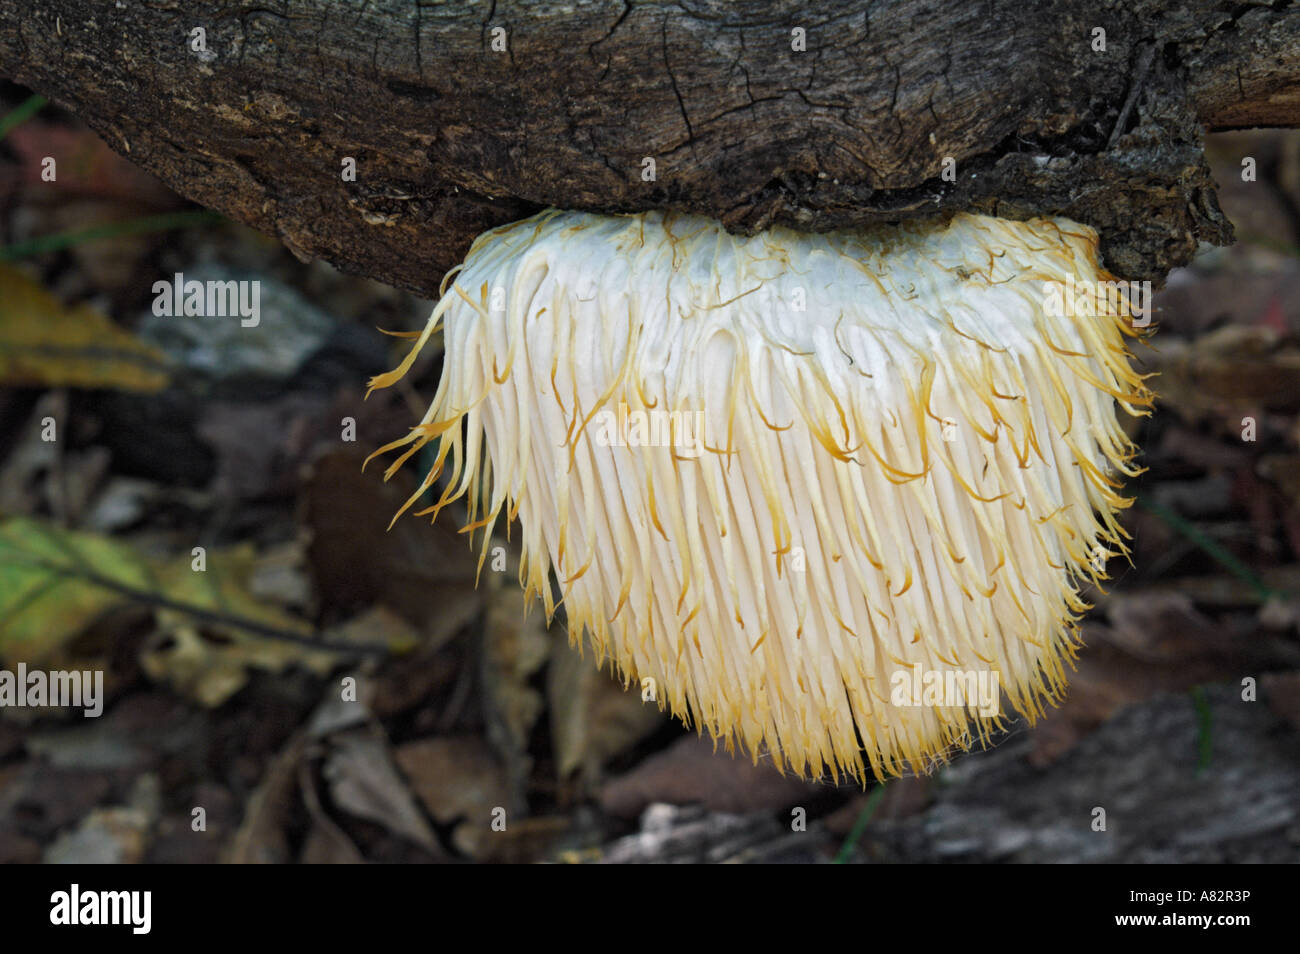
(782, 475)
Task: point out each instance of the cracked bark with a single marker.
(452, 138)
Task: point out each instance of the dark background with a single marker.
(174, 435)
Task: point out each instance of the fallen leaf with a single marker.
(326, 843)
(378, 627)
(30, 462)
(47, 591)
(46, 344)
(17, 849)
(207, 657)
(325, 847)
(1162, 627)
(593, 717)
(209, 628)
(253, 469)
(280, 576)
(1284, 471)
(364, 782)
(107, 836)
(460, 782)
(1237, 367)
(262, 837)
(690, 771)
(1157, 641)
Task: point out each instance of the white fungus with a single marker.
(785, 476)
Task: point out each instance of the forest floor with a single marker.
(228, 448)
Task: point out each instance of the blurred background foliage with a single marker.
(182, 506)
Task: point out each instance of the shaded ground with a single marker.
(225, 733)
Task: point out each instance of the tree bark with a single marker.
(462, 116)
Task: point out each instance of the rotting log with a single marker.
(464, 116)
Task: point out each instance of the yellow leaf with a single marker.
(210, 630)
(46, 344)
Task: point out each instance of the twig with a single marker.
(206, 615)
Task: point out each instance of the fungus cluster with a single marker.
(780, 475)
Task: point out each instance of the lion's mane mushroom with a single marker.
(782, 475)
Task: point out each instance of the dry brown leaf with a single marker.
(460, 782)
(261, 838)
(326, 842)
(364, 782)
(691, 772)
(1237, 366)
(593, 718)
(1157, 642)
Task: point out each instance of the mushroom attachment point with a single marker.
(828, 496)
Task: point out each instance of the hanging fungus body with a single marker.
(809, 489)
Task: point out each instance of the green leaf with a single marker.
(209, 631)
(46, 597)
